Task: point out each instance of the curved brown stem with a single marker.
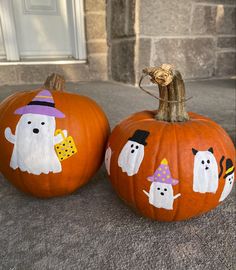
(171, 88)
(55, 82)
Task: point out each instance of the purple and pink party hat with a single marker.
(163, 175)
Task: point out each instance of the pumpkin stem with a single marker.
(55, 82)
(171, 91)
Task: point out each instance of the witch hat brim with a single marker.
(39, 109)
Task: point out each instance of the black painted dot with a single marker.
(132, 145)
(63, 144)
(208, 161)
(59, 152)
(42, 123)
(69, 141)
(132, 151)
(158, 188)
(165, 189)
(68, 155)
(66, 150)
(29, 122)
(136, 147)
(203, 162)
(71, 147)
(61, 158)
(73, 152)
(57, 147)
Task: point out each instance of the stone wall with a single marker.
(96, 37)
(198, 37)
(121, 39)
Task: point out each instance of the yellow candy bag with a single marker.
(66, 148)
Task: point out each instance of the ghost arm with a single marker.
(9, 136)
(146, 192)
(177, 195)
(58, 138)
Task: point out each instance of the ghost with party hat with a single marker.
(161, 194)
(35, 138)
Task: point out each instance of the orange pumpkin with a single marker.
(167, 164)
(52, 142)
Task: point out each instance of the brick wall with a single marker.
(198, 37)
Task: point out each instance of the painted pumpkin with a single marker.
(52, 142)
(168, 164)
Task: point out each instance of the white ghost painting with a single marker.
(132, 154)
(229, 180)
(161, 193)
(205, 172)
(34, 138)
(108, 159)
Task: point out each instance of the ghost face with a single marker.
(130, 157)
(108, 159)
(205, 175)
(161, 195)
(34, 146)
(229, 181)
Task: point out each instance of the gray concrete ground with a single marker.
(93, 229)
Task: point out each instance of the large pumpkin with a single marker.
(167, 164)
(52, 142)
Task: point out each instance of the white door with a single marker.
(42, 29)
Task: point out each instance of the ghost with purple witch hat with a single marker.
(161, 194)
(34, 138)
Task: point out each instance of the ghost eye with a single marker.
(203, 162)
(165, 189)
(29, 122)
(42, 123)
(158, 188)
(132, 145)
(136, 147)
(208, 161)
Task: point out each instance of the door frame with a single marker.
(77, 29)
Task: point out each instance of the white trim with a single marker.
(76, 18)
(55, 62)
(9, 30)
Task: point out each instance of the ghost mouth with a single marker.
(162, 193)
(36, 130)
(206, 168)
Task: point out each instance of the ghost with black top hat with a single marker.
(229, 179)
(34, 138)
(132, 154)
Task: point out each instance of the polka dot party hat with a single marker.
(163, 175)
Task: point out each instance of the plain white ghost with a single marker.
(34, 142)
(161, 195)
(132, 154)
(108, 159)
(205, 173)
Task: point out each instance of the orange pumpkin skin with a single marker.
(173, 142)
(87, 124)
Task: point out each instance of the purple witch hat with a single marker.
(162, 174)
(43, 104)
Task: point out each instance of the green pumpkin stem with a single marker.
(55, 82)
(171, 93)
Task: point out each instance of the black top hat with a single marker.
(229, 167)
(140, 136)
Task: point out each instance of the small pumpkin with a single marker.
(168, 164)
(52, 141)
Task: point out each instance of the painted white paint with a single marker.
(2, 48)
